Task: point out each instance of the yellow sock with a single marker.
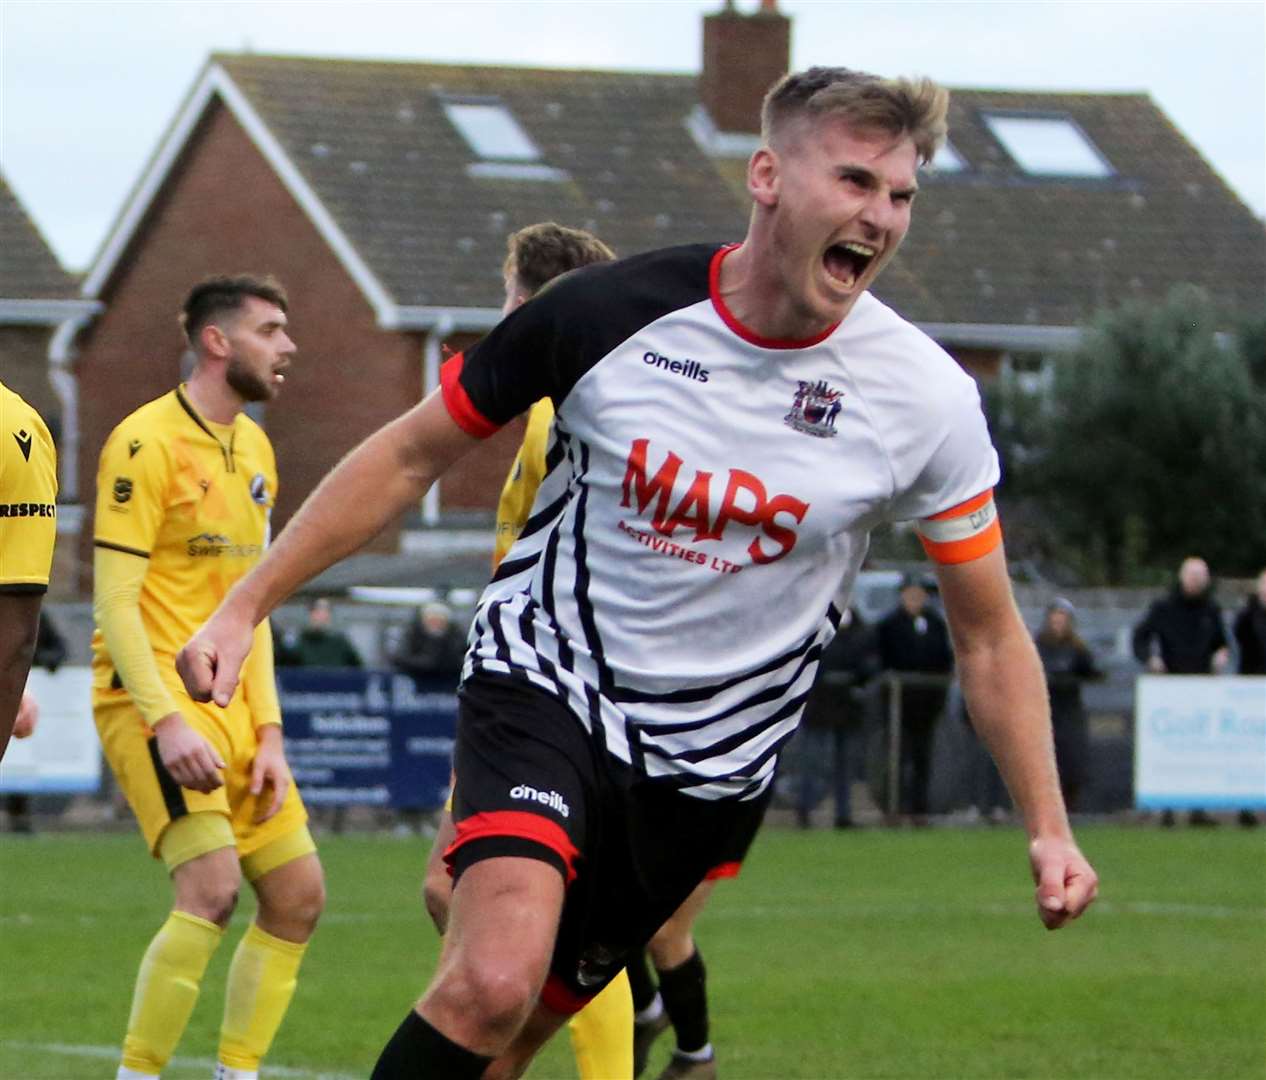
(167, 989)
(261, 983)
(602, 1034)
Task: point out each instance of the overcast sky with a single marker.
(87, 88)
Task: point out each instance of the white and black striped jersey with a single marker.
(707, 503)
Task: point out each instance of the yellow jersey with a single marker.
(28, 497)
(519, 491)
(194, 498)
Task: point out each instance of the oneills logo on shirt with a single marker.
(552, 799)
(744, 500)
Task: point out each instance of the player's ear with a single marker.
(763, 177)
(214, 341)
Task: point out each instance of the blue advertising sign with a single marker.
(369, 738)
(1200, 741)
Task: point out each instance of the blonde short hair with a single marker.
(915, 107)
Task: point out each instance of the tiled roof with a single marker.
(993, 245)
(990, 245)
(372, 140)
(28, 270)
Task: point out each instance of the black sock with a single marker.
(685, 993)
(417, 1050)
(641, 984)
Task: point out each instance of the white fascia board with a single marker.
(215, 80)
(447, 320)
(24, 312)
(1002, 336)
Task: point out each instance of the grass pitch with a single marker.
(861, 955)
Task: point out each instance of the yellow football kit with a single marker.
(28, 497)
(602, 1032)
(182, 513)
(517, 494)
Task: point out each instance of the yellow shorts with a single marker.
(155, 797)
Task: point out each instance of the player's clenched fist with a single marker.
(210, 663)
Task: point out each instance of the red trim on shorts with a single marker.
(519, 824)
(556, 997)
(728, 317)
(458, 402)
(723, 870)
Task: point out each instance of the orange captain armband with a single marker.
(963, 532)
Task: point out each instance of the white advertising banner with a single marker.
(1200, 741)
(64, 754)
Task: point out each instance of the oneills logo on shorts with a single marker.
(552, 799)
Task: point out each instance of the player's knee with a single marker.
(213, 900)
(307, 903)
(495, 994)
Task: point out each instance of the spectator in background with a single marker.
(1250, 637)
(433, 646)
(1068, 663)
(318, 644)
(834, 718)
(913, 638)
(50, 654)
(1182, 634)
(1250, 630)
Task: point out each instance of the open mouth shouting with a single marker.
(846, 263)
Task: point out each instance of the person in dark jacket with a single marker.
(834, 718)
(433, 645)
(1182, 634)
(1250, 637)
(1250, 631)
(318, 644)
(914, 638)
(50, 654)
(1068, 663)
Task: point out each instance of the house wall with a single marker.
(24, 370)
(223, 210)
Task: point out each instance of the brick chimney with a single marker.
(743, 55)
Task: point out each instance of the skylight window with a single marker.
(947, 159)
(491, 131)
(1048, 145)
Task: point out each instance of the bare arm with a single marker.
(1006, 696)
(19, 620)
(387, 473)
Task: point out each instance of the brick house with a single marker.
(381, 194)
(40, 309)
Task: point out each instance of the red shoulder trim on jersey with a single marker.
(558, 998)
(458, 402)
(520, 824)
(728, 317)
(723, 870)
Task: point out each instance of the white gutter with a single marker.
(1002, 336)
(45, 312)
(442, 326)
(61, 354)
(418, 317)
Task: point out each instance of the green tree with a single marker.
(1148, 445)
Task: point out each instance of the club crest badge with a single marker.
(814, 409)
(259, 489)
